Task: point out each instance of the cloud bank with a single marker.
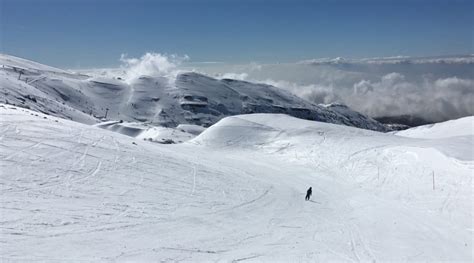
(433, 88)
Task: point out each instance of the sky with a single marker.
(86, 33)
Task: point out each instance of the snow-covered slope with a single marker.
(190, 99)
(182, 133)
(38, 89)
(358, 119)
(73, 192)
(25, 64)
(453, 128)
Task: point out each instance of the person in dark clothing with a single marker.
(308, 194)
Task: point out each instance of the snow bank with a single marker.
(460, 127)
(144, 131)
(129, 129)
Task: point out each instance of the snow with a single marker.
(182, 133)
(190, 98)
(452, 128)
(74, 192)
(21, 63)
(192, 129)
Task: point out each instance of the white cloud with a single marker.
(319, 94)
(427, 91)
(238, 76)
(151, 64)
(392, 95)
(434, 88)
(465, 59)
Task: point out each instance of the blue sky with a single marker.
(79, 34)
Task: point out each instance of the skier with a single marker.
(308, 194)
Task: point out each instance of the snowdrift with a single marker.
(182, 133)
(282, 134)
(460, 127)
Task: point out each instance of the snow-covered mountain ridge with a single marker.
(191, 98)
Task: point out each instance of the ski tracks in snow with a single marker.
(139, 201)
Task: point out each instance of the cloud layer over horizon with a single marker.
(433, 88)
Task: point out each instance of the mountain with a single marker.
(190, 98)
(404, 121)
(356, 119)
(75, 192)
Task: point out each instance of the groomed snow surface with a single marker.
(73, 192)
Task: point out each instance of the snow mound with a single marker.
(460, 127)
(190, 128)
(268, 131)
(180, 134)
(298, 139)
(129, 129)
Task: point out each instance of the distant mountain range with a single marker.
(190, 98)
(403, 120)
